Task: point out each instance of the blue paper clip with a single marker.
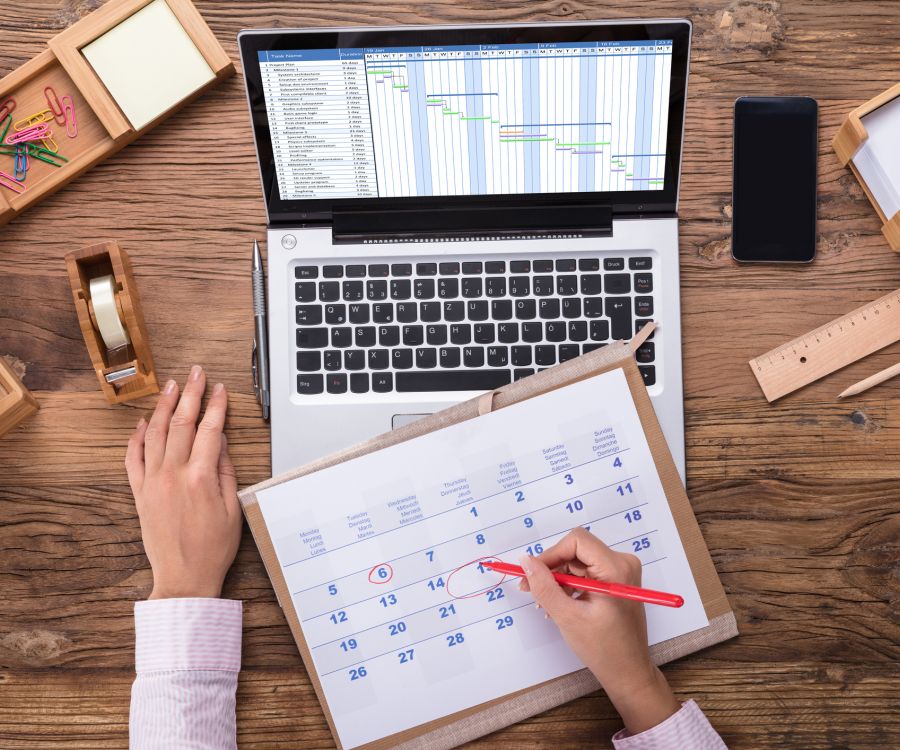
(20, 170)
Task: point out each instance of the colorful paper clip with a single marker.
(56, 108)
(6, 127)
(7, 108)
(20, 167)
(49, 144)
(69, 109)
(48, 157)
(34, 133)
(32, 120)
(9, 182)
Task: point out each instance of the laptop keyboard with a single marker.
(463, 325)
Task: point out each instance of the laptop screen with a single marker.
(591, 114)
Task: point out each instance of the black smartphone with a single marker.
(774, 193)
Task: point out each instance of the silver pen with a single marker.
(260, 355)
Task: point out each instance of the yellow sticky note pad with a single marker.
(148, 63)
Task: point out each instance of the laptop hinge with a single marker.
(494, 222)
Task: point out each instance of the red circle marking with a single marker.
(480, 591)
(385, 580)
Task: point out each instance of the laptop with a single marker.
(452, 208)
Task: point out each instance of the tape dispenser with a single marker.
(111, 321)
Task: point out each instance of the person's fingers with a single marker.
(158, 428)
(134, 456)
(544, 588)
(579, 544)
(208, 442)
(183, 425)
(227, 478)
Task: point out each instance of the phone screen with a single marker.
(774, 197)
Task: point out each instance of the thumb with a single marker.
(544, 588)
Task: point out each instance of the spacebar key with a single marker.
(451, 380)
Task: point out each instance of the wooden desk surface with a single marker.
(797, 500)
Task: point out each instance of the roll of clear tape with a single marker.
(106, 314)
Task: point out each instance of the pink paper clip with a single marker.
(7, 108)
(34, 133)
(55, 106)
(69, 109)
(9, 182)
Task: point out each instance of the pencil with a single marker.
(872, 380)
(619, 590)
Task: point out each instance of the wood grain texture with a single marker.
(796, 500)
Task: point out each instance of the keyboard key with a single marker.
(585, 348)
(591, 284)
(542, 285)
(477, 310)
(306, 272)
(542, 266)
(645, 352)
(638, 324)
(519, 286)
(388, 335)
(498, 356)
(568, 351)
(426, 269)
(519, 266)
(365, 336)
(407, 312)
(436, 335)
(521, 356)
(309, 361)
(614, 264)
(571, 307)
(643, 283)
(356, 272)
(382, 382)
(401, 289)
(519, 374)
(379, 359)
(309, 385)
(565, 265)
(332, 272)
(588, 264)
(555, 331)
(452, 380)
(401, 269)
(413, 335)
(336, 382)
(423, 288)
(495, 286)
(508, 333)
(472, 287)
(426, 357)
(449, 356)
(649, 374)
(378, 270)
(448, 269)
(333, 360)
(352, 291)
(640, 264)
(593, 307)
(495, 266)
(454, 311)
(429, 312)
(532, 332)
(618, 310)
(599, 330)
(359, 382)
(336, 315)
(549, 309)
(383, 313)
(354, 359)
(309, 315)
(473, 356)
(643, 306)
(305, 291)
(526, 309)
(376, 290)
(501, 309)
(341, 337)
(329, 291)
(578, 330)
(484, 333)
(402, 359)
(359, 314)
(618, 283)
(312, 338)
(472, 267)
(545, 355)
(448, 288)
(460, 334)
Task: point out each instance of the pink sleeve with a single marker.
(686, 728)
(187, 658)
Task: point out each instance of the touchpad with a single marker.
(401, 420)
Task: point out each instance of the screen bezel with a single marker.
(320, 210)
(788, 252)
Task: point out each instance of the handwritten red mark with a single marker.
(378, 567)
(480, 591)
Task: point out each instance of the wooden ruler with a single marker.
(829, 347)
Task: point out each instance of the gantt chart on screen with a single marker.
(468, 120)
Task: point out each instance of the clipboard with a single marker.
(463, 726)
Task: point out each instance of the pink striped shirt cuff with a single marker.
(187, 634)
(686, 728)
